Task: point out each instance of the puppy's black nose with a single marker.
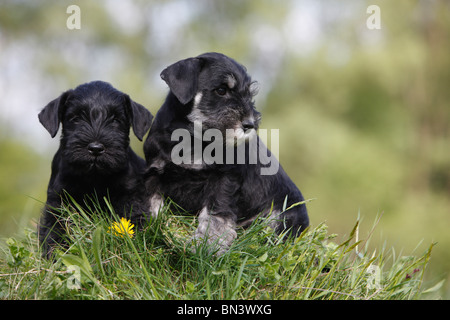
(96, 148)
(248, 125)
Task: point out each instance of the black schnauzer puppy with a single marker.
(94, 159)
(223, 180)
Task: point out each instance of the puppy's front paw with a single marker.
(215, 243)
(215, 231)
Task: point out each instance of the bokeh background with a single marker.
(364, 115)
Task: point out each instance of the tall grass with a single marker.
(159, 262)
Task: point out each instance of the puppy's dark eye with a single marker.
(74, 118)
(221, 91)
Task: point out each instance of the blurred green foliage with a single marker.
(363, 114)
(22, 179)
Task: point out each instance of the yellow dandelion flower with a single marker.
(123, 227)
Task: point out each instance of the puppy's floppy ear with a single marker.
(51, 115)
(141, 118)
(182, 78)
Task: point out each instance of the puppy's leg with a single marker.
(217, 230)
(294, 221)
(155, 204)
(50, 233)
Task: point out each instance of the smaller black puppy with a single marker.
(94, 159)
(212, 95)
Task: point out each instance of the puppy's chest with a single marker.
(186, 187)
(195, 189)
(96, 190)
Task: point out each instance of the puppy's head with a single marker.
(217, 92)
(96, 120)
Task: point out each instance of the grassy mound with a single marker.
(159, 262)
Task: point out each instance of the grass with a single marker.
(159, 262)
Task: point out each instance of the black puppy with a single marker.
(212, 96)
(94, 159)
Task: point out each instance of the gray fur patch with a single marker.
(217, 231)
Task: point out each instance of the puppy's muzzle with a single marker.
(248, 125)
(96, 148)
